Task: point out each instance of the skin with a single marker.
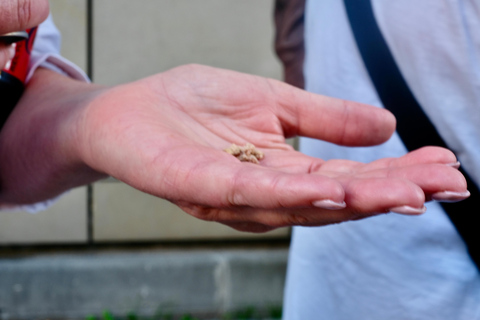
(19, 15)
(164, 135)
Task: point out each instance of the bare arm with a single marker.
(164, 135)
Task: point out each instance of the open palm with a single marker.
(165, 135)
(168, 132)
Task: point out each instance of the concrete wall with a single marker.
(72, 286)
(133, 39)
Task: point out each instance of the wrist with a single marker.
(39, 145)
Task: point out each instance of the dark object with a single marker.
(13, 37)
(413, 125)
(11, 90)
(289, 41)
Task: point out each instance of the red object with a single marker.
(13, 76)
(18, 66)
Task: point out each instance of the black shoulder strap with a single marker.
(413, 125)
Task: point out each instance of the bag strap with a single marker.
(413, 125)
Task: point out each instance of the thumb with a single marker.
(18, 15)
(338, 121)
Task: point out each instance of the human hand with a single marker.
(164, 135)
(18, 15)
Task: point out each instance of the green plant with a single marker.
(275, 312)
(188, 317)
(248, 313)
(245, 314)
(107, 315)
(132, 316)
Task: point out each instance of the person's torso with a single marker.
(392, 266)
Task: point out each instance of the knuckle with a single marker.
(284, 219)
(24, 12)
(204, 213)
(299, 220)
(235, 195)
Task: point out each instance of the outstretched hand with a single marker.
(165, 135)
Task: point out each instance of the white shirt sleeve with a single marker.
(46, 53)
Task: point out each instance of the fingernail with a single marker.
(330, 204)
(408, 210)
(455, 165)
(11, 52)
(450, 196)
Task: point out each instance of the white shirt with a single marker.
(46, 53)
(392, 266)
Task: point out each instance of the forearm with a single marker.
(39, 154)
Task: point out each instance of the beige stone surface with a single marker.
(134, 39)
(123, 213)
(70, 17)
(64, 222)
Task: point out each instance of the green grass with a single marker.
(249, 313)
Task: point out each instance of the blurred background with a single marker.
(110, 247)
